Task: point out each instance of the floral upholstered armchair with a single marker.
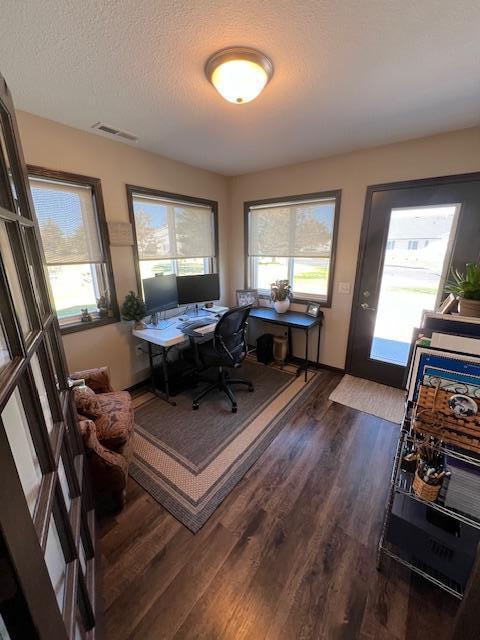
(105, 420)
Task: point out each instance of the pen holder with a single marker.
(424, 490)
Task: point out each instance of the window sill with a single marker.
(83, 326)
(325, 304)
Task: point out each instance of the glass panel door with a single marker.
(13, 279)
(413, 234)
(45, 501)
(26, 458)
(417, 254)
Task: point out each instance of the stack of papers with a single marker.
(463, 491)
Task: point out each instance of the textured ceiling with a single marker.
(348, 73)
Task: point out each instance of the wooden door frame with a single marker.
(23, 536)
(367, 214)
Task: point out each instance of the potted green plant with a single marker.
(466, 286)
(133, 308)
(280, 295)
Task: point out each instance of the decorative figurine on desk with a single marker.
(281, 294)
(134, 309)
(154, 319)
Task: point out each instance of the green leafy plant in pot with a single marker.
(466, 286)
(133, 308)
(280, 295)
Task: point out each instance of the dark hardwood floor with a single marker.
(289, 554)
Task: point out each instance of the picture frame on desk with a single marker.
(313, 309)
(247, 296)
(449, 305)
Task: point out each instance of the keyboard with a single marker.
(161, 324)
(208, 328)
(195, 324)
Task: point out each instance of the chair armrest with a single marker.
(97, 379)
(109, 469)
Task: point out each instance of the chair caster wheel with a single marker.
(251, 389)
(234, 409)
(195, 406)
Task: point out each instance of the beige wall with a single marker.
(55, 146)
(50, 144)
(451, 153)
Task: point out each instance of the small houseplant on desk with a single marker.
(281, 294)
(134, 309)
(466, 286)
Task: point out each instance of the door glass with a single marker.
(416, 258)
(3, 630)
(13, 281)
(4, 153)
(18, 434)
(29, 235)
(42, 392)
(62, 476)
(82, 557)
(55, 562)
(4, 352)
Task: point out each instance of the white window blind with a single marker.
(289, 230)
(68, 222)
(167, 229)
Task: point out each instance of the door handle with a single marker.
(366, 307)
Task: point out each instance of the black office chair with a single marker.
(228, 349)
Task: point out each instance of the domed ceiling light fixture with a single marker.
(239, 74)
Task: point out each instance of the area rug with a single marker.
(370, 397)
(190, 460)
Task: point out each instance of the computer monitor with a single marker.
(160, 293)
(204, 288)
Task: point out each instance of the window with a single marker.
(71, 220)
(293, 238)
(390, 245)
(173, 233)
(413, 245)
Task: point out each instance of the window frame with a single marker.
(301, 298)
(95, 185)
(147, 191)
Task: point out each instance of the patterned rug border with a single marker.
(179, 506)
(192, 504)
(199, 468)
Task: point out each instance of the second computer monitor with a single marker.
(204, 288)
(160, 293)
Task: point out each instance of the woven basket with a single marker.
(425, 491)
(433, 416)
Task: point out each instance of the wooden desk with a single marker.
(292, 320)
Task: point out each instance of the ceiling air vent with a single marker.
(118, 133)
